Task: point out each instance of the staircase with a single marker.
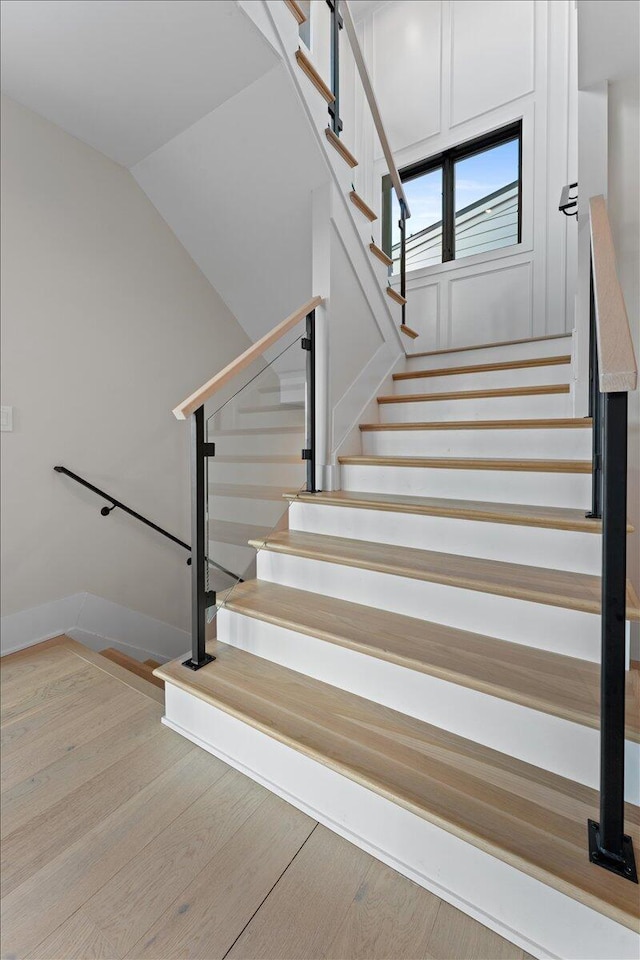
(416, 664)
(143, 669)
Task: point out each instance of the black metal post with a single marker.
(309, 453)
(595, 412)
(336, 27)
(608, 845)
(199, 451)
(403, 257)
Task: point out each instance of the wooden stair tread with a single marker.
(363, 207)
(477, 394)
(556, 518)
(396, 297)
(310, 71)
(142, 670)
(473, 463)
(528, 817)
(550, 682)
(339, 146)
(154, 664)
(485, 367)
(550, 423)
(497, 343)
(296, 10)
(380, 254)
(556, 588)
(408, 332)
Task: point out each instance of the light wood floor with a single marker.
(121, 839)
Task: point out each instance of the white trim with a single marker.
(97, 623)
(536, 917)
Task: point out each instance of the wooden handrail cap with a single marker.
(207, 390)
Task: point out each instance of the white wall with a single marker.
(446, 71)
(624, 212)
(107, 324)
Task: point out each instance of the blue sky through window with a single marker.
(475, 177)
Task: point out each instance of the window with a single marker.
(466, 200)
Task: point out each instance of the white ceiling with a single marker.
(126, 76)
(608, 40)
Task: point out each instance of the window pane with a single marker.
(424, 227)
(486, 200)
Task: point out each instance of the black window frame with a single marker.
(446, 160)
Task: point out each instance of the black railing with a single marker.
(568, 204)
(118, 505)
(337, 24)
(609, 846)
(201, 597)
(336, 27)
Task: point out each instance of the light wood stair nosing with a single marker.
(560, 360)
(550, 518)
(399, 625)
(541, 389)
(471, 463)
(362, 206)
(396, 297)
(408, 332)
(472, 820)
(380, 254)
(339, 146)
(431, 566)
(487, 346)
(297, 11)
(310, 71)
(570, 423)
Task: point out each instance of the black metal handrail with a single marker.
(609, 846)
(117, 504)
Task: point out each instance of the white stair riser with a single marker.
(487, 380)
(496, 486)
(572, 632)
(478, 408)
(248, 417)
(548, 923)
(561, 444)
(515, 351)
(568, 749)
(262, 513)
(289, 475)
(259, 444)
(535, 546)
(234, 557)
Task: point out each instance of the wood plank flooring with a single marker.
(525, 816)
(134, 843)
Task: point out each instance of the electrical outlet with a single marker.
(6, 418)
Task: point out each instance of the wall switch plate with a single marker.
(6, 418)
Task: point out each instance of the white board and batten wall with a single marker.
(447, 71)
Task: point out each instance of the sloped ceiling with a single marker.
(126, 76)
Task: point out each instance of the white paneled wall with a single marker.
(446, 71)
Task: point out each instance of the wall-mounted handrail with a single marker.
(117, 504)
(373, 105)
(618, 370)
(613, 374)
(208, 389)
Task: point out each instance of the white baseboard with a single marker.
(540, 919)
(97, 623)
